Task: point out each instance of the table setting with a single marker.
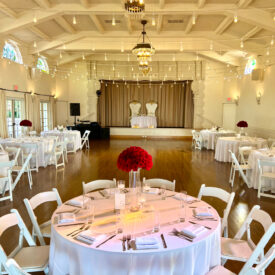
(144, 121)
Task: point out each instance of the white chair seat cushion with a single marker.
(235, 249)
(33, 257)
(268, 175)
(16, 168)
(220, 270)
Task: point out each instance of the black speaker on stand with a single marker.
(75, 110)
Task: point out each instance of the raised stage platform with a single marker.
(179, 133)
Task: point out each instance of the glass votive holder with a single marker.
(121, 184)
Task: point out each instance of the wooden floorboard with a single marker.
(173, 159)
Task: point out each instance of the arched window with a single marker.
(42, 65)
(12, 52)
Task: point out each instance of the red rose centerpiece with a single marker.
(26, 124)
(242, 124)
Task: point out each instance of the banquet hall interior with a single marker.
(137, 137)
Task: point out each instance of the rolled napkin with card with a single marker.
(193, 230)
(147, 243)
(78, 202)
(202, 212)
(90, 237)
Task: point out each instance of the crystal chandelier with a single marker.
(134, 6)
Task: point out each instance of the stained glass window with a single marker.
(250, 66)
(42, 65)
(12, 52)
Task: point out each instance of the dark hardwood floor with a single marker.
(173, 159)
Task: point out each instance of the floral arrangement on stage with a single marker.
(25, 123)
(133, 158)
(242, 124)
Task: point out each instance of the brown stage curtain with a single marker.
(175, 103)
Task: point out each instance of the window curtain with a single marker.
(36, 114)
(3, 115)
(52, 112)
(175, 103)
(29, 114)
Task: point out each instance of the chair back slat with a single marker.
(159, 183)
(262, 217)
(7, 221)
(98, 184)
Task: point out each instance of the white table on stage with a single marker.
(72, 135)
(68, 256)
(44, 145)
(4, 157)
(210, 136)
(253, 174)
(224, 144)
(144, 122)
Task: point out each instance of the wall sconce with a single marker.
(236, 100)
(258, 98)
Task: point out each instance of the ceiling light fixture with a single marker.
(181, 46)
(74, 20)
(193, 19)
(211, 46)
(153, 21)
(235, 18)
(134, 6)
(272, 41)
(241, 44)
(34, 44)
(83, 57)
(113, 21)
(34, 19)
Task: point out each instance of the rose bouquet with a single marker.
(242, 124)
(25, 123)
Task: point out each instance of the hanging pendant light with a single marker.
(134, 6)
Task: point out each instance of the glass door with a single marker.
(14, 116)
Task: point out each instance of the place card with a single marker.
(119, 200)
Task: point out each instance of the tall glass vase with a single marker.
(135, 189)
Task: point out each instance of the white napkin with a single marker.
(153, 191)
(180, 197)
(66, 218)
(193, 230)
(89, 236)
(78, 202)
(202, 212)
(147, 243)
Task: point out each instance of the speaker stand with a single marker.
(74, 120)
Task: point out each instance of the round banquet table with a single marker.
(72, 135)
(144, 122)
(253, 174)
(224, 144)
(69, 256)
(210, 136)
(4, 157)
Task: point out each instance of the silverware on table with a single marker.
(123, 242)
(128, 237)
(163, 241)
(76, 230)
(207, 227)
(181, 235)
(106, 240)
(81, 230)
(83, 241)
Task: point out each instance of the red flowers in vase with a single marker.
(26, 123)
(133, 158)
(242, 124)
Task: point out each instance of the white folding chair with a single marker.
(14, 153)
(32, 133)
(265, 176)
(20, 170)
(26, 149)
(1, 148)
(30, 258)
(70, 145)
(44, 229)
(248, 268)
(235, 166)
(58, 153)
(6, 180)
(244, 152)
(65, 150)
(193, 138)
(14, 269)
(198, 140)
(236, 248)
(160, 183)
(85, 139)
(98, 184)
(222, 195)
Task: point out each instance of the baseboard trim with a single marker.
(150, 137)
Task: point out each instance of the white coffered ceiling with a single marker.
(174, 31)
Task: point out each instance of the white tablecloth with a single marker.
(144, 122)
(44, 145)
(4, 157)
(73, 136)
(68, 256)
(253, 174)
(209, 137)
(233, 143)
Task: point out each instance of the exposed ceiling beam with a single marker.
(26, 20)
(129, 24)
(159, 23)
(8, 11)
(43, 3)
(221, 58)
(68, 58)
(224, 25)
(85, 3)
(161, 4)
(39, 33)
(244, 3)
(65, 25)
(97, 23)
(201, 3)
(251, 33)
(190, 24)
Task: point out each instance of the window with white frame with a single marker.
(44, 115)
(42, 64)
(12, 52)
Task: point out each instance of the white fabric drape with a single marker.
(3, 115)
(52, 113)
(36, 114)
(29, 112)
